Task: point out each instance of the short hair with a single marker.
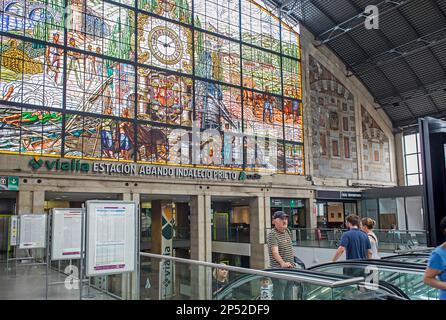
(353, 219)
(368, 222)
(443, 226)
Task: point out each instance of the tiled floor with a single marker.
(29, 283)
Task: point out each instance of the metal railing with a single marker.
(388, 240)
(172, 278)
(234, 233)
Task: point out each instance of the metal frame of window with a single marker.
(417, 153)
(135, 64)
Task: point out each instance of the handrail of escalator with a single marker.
(299, 277)
(426, 250)
(377, 262)
(407, 255)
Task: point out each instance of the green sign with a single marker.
(13, 183)
(59, 165)
(9, 183)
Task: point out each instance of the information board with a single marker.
(32, 231)
(111, 237)
(66, 234)
(14, 229)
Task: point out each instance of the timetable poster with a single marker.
(66, 239)
(111, 238)
(32, 231)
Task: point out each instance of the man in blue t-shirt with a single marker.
(354, 242)
(436, 266)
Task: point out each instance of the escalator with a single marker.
(404, 275)
(311, 286)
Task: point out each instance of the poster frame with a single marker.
(59, 255)
(90, 234)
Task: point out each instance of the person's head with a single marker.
(280, 220)
(393, 226)
(443, 226)
(367, 224)
(353, 221)
(220, 273)
(265, 282)
(56, 37)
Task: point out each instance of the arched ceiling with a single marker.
(402, 63)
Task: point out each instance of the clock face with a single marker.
(165, 45)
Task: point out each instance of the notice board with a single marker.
(111, 235)
(66, 234)
(32, 231)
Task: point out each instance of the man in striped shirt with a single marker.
(281, 254)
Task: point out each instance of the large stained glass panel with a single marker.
(218, 107)
(217, 59)
(290, 42)
(35, 19)
(31, 73)
(292, 110)
(10, 128)
(127, 80)
(30, 131)
(259, 27)
(100, 27)
(179, 10)
(164, 44)
(219, 16)
(164, 97)
(263, 115)
(261, 70)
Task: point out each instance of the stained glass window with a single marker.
(127, 80)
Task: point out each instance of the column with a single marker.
(399, 158)
(129, 281)
(135, 276)
(257, 232)
(24, 202)
(201, 246)
(38, 201)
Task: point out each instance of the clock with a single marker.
(165, 45)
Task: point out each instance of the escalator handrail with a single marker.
(376, 262)
(341, 281)
(407, 255)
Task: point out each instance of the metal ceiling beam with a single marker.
(364, 67)
(408, 65)
(395, 90)
(344, 30)
(409, 121)
(419, 82)
(412, 94)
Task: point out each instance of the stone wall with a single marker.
(332, 124)
(345, 130)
